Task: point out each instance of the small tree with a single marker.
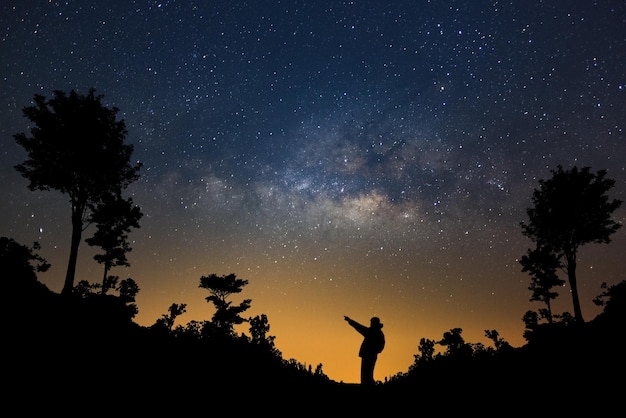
(531, 322)
(542, 265)
(226, 315)
(128, 289)
(166, 321)
(259, 328)
(455, 344)
(498, 342)
(571, 209)
(76, 146)
(426, 348)
(114, 217)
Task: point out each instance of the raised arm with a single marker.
(362, 329)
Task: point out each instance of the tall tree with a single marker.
(571, 209)
(226, 315)
(76, 146)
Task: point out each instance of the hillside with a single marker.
(74, 359)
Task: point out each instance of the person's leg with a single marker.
(367, 370)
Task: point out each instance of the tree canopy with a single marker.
(570, 209)
(76, 146)
(226, 315)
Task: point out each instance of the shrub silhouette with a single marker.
(93, 344)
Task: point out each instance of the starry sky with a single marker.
(351, 158)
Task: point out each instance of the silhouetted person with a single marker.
(373, 343)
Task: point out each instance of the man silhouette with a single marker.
(373, 343)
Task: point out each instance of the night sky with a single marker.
(351, 158)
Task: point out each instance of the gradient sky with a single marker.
(352, 158)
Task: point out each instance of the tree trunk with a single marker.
(571, 275)
(77, 231)
(104, 289)
(550, 318)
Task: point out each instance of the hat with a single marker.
(375, 322)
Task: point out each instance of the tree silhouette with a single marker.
(127, 290)
(259, 328)
(571, 209)
(541, 264)
(426, 349)
(455, 344)
(166, 321)
(226, 316)
(16, 261)
(531, 322)
(19, 265)
(498, 342)
(613, 299)
(76, 147)
(114, 217)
